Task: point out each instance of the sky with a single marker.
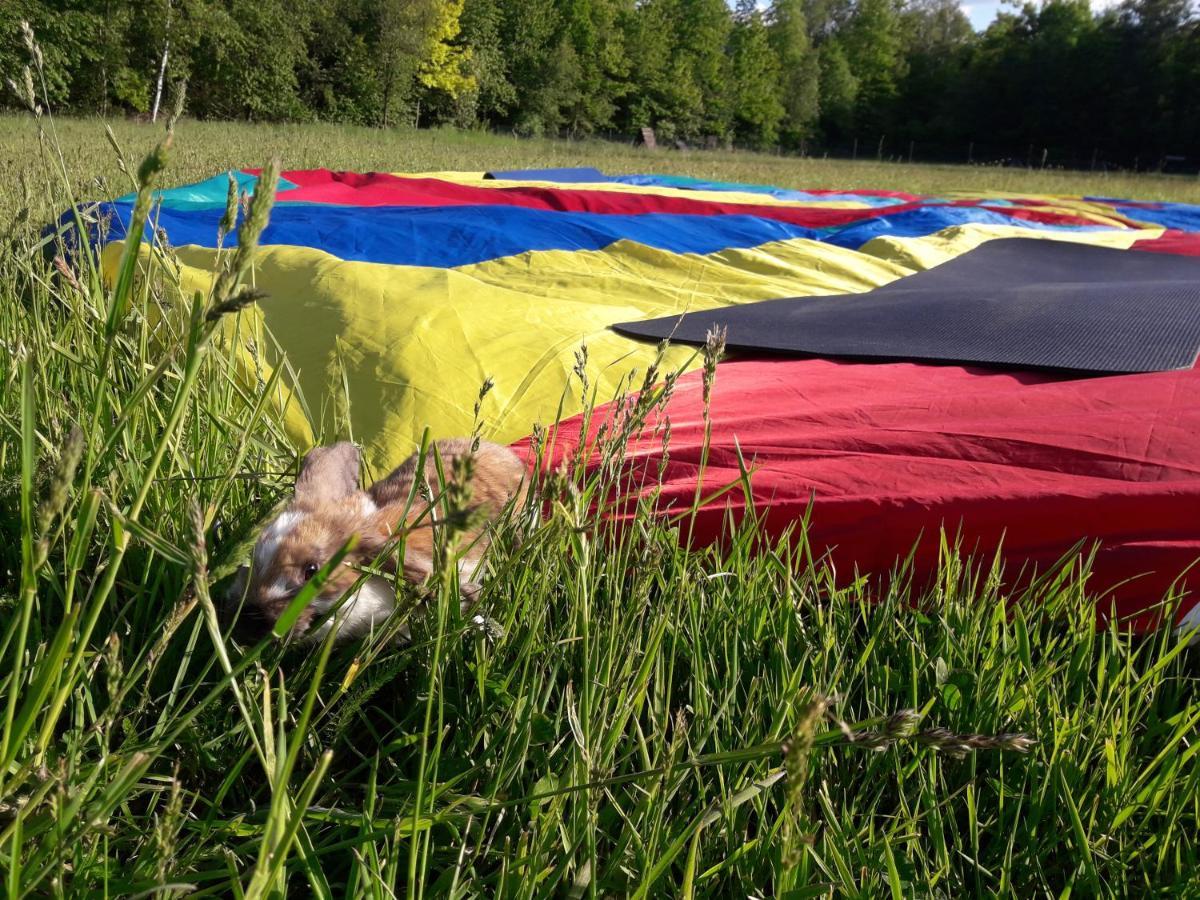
(982, 12)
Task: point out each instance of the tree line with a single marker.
(872, 77)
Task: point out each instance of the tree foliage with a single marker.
(1054, 77)
(757, 109)
(799, 69)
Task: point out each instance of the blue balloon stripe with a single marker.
(460, 235)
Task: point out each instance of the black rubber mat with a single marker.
(1016, 302)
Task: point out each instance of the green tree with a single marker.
(404, 28)
(596, 31)
(492, 95)
(932, 27)
(443, 60)
(245, 59)
(540, 66)
(839, 91)
(799, 69)
(702, 36)
(755, 69)
(937, 39)
(664, 93)
(339, 78)
(1158, 39)
(87, 51)
(874, 49)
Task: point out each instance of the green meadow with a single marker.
(646, 722)
(203, 148)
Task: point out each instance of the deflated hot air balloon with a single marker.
(1016, 370)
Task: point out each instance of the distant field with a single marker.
(203, 148)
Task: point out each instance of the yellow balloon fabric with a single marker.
(398, 349)
(413, 345)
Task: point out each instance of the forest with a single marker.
(1054, 84)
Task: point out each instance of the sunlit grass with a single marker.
(205, 148)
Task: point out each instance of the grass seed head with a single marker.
(714, 349)
(958, 745)
(177, 110)
(154, 163)
(24, 90)
(484, 390)
(239, 301)
(899, 726)
(60, 487)
(31, 43)
(68, 276)
(229, 219)
(580, 368)
(199, 546)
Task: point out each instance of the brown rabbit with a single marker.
(329, 507)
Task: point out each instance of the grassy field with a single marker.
(207, 147)
(651, 722)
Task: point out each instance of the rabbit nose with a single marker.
(253, 624)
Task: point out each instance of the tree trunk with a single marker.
(162, 68)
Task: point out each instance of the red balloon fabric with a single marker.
(382, 189)
(891, 453)
(1182, 243)
(887, 453)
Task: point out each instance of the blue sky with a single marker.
(982, 12)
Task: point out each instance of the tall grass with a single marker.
(645, 722)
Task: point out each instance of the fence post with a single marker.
(910, 151)
(854, 152)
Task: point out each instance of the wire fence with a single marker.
(1030, 155)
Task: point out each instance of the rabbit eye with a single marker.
(310, 569)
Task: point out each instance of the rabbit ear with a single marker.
(328, 473)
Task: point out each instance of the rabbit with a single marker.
(329, 507)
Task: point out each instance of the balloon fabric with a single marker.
(395, 296)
